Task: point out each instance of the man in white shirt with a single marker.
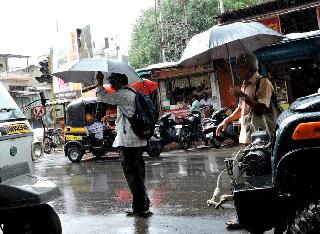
(206, 102)
(129, 144)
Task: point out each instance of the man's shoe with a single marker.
(233, 225)
(138, 212)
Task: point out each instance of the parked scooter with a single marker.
(166, 132)
(275, 180)
(211, 124)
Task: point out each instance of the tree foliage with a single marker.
(145, 44)
(180, 20)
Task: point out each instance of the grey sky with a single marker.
(29, 27)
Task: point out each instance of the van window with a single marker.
(9, 110)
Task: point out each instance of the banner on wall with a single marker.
(273, 23)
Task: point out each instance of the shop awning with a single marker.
(298, 46)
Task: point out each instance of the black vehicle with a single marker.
(211, 124)
(77, 140)
(275, 180)
(167, 129)
(191, 130)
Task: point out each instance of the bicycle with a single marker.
(52, 140)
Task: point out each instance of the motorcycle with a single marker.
(191, 130)
(274, 179)
(211, 124)
(166, 132)
(52, 140)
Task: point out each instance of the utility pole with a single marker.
(157, 5)
(221, 6)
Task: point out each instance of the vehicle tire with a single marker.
(307, 220)
(74, 154)
(153, 149)
(41, 219)
(185, 142)
(216, 142)
(47, 145)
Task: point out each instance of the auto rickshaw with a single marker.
(78, 141)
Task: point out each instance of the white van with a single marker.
(23, 196)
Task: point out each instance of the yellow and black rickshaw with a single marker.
(78, 140)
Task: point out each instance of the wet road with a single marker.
(95, 194)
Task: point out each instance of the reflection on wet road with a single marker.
(179, 183)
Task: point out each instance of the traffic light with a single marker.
(44, 67)
(45, 77)
(43, 98)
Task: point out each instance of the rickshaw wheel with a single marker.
(38, 219)
(74, 154)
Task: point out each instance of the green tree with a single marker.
(145, 46)
(181, 19)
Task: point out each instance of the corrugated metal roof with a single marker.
(14, 56)
(158, 66)
(269, 8)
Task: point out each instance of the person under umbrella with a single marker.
(253, 97)
(129, 144)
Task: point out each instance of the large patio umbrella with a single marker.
(225, 41)
(84, 70)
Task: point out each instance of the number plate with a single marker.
(73, 138)
(179, 126)
(16, 128)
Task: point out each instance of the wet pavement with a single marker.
(95, 194)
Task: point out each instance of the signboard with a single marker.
(85, 45)
(273, 23)
(38, 111)
(65, 51)
(64, 90)
(173, 72)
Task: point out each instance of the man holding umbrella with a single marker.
(129, 144)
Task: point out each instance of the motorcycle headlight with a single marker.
(36, 150)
